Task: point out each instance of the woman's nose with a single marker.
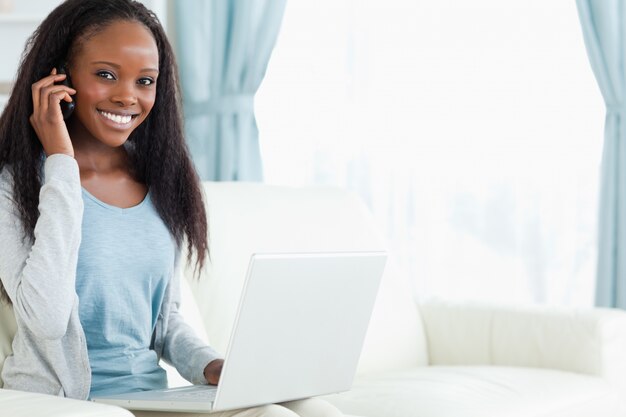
(124, 95)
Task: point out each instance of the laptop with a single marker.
(298, 333)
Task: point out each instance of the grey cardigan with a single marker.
(49, 348)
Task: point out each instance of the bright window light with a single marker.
(473, 130)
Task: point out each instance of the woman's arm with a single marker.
(40, 280)
(181, 346)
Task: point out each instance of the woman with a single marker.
(95, 205)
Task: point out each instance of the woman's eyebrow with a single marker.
(114, 65)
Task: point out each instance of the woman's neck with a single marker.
(93, 155)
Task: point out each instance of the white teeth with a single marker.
(116, 117)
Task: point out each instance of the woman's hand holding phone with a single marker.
(47, 117)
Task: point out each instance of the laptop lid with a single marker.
(300, 327)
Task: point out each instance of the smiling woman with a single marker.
(70, 179)
(109, 230)
(95, 206)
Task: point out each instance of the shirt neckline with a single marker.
(116, 208)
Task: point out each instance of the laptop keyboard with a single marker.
(193, 394)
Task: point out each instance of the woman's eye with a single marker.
(106, 75)
(146, 81)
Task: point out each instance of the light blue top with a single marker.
(124, 261)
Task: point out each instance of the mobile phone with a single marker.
(66, 108)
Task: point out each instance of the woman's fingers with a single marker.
(58, 95)
(44, 82)
(52, 95)
(54, 89)
(35, 89)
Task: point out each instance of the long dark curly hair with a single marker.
(157, 149)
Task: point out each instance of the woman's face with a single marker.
(114, 74)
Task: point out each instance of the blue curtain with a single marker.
(223, 48)
(603, 24)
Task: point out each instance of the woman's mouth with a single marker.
(116, 119)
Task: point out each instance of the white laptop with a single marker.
(298, 333)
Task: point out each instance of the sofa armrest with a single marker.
(590, 341)
(26, 404)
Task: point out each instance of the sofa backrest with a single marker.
(247, 218)
(7, 331)
(580, 340)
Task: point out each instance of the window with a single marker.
(473, 130)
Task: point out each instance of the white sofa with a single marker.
(420, 359)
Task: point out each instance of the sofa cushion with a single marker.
(479, 391)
